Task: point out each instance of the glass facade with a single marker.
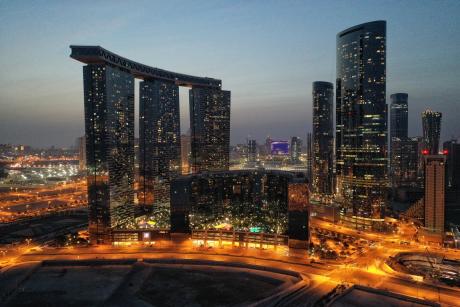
(398, 116)
(210, 129)
(431, 122)
(405, 156)
(109, 128)
(361, 119)
(452, 151)
(252, 151)
(159, 140)
(323, 139)
(296, 149)
(240, 200)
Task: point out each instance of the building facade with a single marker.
(431, 124)
(241, 200)
(361, 120)
(109, 129)
(323, 139)
(399, 116)
(435, 192)
(251, 151)
(451, 149)
(296, 149)
(405, 156)
(210, 129)
(159, 140)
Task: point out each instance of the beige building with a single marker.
(434, 192)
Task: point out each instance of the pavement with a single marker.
(323, 277)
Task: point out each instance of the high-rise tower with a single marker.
(210, 129)
(431, 122)
(323, 138)
(109, 129)
(252, 151)
(435, 192)
(452, 151)
(361, 119)
(296, 149)
(398, 116)
(159, 140)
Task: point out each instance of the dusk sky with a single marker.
(267, 54)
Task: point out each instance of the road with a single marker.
(364, 270)
(28, 202)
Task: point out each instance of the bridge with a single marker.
(99, 55)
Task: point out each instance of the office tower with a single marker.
(185, 153)
(159, 140)
(399, 139)
(361, 120)
(296, 149)
(398, 116)
(451, 150)
(268, 145)
(109, 129)
(309, 158)
(434, 192)
(405, 155)
(252, 151)
(81, 146)
(210, 129)
(323, 139)
(431, 122)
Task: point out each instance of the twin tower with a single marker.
(109, 127)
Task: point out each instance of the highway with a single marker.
(29, 202)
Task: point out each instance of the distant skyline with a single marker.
(267, 53)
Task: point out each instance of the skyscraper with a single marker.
(159, 140)
(452, 151)
(210, 129)
(268, 145)
(398, 116)
(252, 151)
(401, 152)
(296, 149)
(434, 192)
(431, 122)
(109, 129)
(309, 159)
(361, 120)
(323, 138)
(405, 155)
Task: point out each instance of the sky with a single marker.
(267, 53)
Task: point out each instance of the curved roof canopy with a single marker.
(99, 55)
